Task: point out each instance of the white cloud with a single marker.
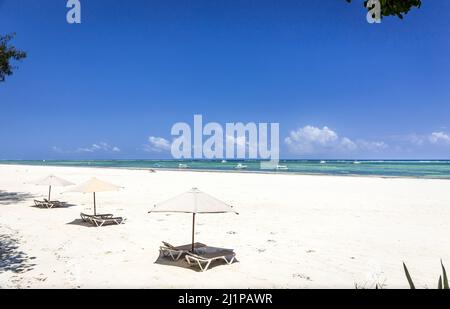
(314, 140)
(372, 146)
(439, 138)
(241, 141)
(312, 135)
(160, 144)
(416, 139)
(310, 139)
(98, 147)
(157, 144)
(348, 144)
(84, 150)
(419, 140)
(58, 149)
(238, 140)
(105, 147)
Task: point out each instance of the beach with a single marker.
(292, 231)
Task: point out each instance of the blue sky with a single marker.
(113, 86)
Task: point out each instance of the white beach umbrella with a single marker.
(52, 181)
(196, 202)
(95, 185)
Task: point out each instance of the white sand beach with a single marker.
(292, 231)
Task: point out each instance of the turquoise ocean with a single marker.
(383, 168)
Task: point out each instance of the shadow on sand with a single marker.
(8, 198)
(168, 261)
(11, 258)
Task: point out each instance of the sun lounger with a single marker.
(99, 222)
(42, 204)
(88, 218)
(47, 204)
(205, 259)
(54, 203)
(102, 219)
(176, 252)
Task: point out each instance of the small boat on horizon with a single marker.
(240, 166)
(323, 162)
(224, 161)
(356, 162)
(282, 167)
(182, 165)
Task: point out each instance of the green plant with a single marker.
(442, 282)
(408, 277)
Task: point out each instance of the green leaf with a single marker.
(444, 273)
(440, 283)
(411, 283)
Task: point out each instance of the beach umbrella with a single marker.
(95, 185)
(52, 181)
(195, 202)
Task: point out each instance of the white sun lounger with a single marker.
(41, 204)
(100, 220)
(88, 218)
(204, 260)
(105, 221)
(176, 252)
(54, 203)
(47, 204)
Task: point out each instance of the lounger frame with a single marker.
(46, 204)
(177, 252)
(99, 222)
(88, 218)
(173, 253)
(102, 219)
(205, 262)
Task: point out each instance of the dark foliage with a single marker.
(8, 54)
(396, 7)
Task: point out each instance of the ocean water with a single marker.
(384, 168)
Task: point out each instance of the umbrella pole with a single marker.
(193, 231)
(95, 207)
(49, 192)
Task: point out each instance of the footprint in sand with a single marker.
(310, 251)
(231, 232)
